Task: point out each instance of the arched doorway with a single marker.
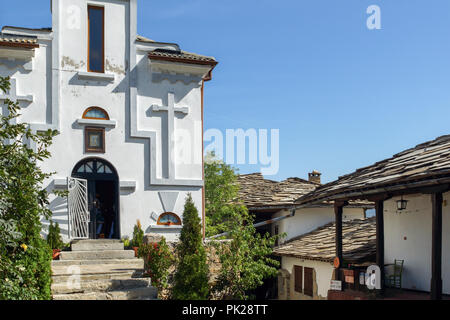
(103, 197)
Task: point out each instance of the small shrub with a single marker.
(158, 259)
(138, 235)
(54, 239)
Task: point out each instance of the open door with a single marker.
(79, 215)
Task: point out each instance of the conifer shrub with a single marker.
(138, 235)
(192, 272)
(54, 239)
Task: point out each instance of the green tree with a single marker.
(192, 273)
(221, 189)
(25, 257)
(246, 257)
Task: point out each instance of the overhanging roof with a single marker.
(425, 165)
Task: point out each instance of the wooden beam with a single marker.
(436, 250)
(338, 210)
(379, 210)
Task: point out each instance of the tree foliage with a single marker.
(246, 258)
(25, 258)
(192, 273)
(221, 190)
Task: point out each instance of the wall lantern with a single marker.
(401, 204)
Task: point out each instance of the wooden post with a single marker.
(379, 209)
(436, 250)
(338, 209)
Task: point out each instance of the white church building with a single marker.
(129, 111)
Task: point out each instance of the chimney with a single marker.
(315, 176)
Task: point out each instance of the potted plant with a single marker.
(138, 237)
(126, 243)
(54, 239)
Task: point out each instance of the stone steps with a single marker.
(105, 285)
(97, 255)
(100, 270)
(138, 263)
(148, 293)
(97, 245)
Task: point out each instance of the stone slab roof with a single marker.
(426, 164)
(358, 237)
(259, 193)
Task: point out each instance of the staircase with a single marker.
(100, 270)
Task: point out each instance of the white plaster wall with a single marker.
(309, 219)
(129, 156)
(34, 82)
(408, 237)
(323, 273)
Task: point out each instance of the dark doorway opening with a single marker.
(103, 197)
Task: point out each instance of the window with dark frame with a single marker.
(298, 278)
(95, 140)
(96, 39)
(309, 289)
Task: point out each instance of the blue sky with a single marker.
(342, 96)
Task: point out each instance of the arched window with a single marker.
(93, 166)
(95, 113)
(169, 219)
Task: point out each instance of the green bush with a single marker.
(192, 273)
(138, 235)
(158, 259)
(54, 239)
(25, 258)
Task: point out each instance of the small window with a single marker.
(298, 278)
(95, 140)
(169, 219)
(96, 39)
(96, 113)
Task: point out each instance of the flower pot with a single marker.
(56, 254)
(135, 251)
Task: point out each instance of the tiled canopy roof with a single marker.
(14, 41)
(358, 237)
(427, 164)
(181, 56)
(257, 192)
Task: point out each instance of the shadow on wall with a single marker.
(60, 214)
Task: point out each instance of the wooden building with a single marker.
(307, 260)
(411, 195)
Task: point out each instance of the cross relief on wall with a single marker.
(171, 109)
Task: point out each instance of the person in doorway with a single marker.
(99, 217)
(109, 219)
